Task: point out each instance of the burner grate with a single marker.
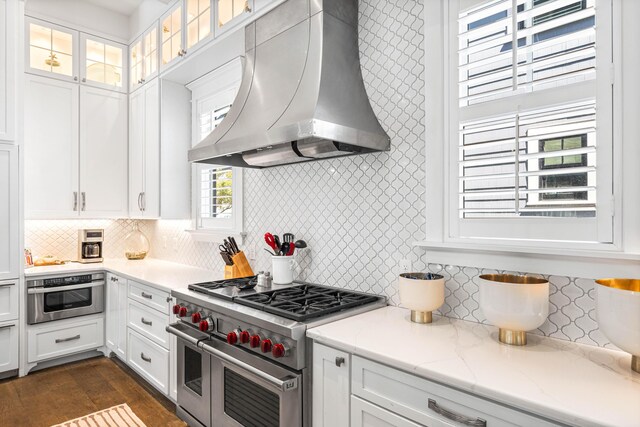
(305, 302)
(241, 283)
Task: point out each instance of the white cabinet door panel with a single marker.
(103, 153)
(330, 393)
(136, 152)
(51, 148)
(9, 346)
(149, 359)
(63, 337)
(364, 414)
(8, 300)
(8, 20)
(9, 211)
(151, 197)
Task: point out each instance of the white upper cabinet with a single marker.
(51, 148)
(103, 153)
(144, 151)
(143, 58)
(51, 50)
(103, 63)
(231, 12)
(9, 212)
(171, 36)
(8, 25)
(75, 150)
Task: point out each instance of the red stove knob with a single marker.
(265, 346)
(254, 341)
(176, 308)
(196, 317)
(232, 337)
(206, 325)
(244, 337)
(183, 312)
(279, 350)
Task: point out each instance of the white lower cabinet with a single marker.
(149, 322)
(9, 346)
(149, 360)
(64, 337)
(8, 300)
(150, 296)
(9, 214)
(116, 331)
(383, 396)
(365, 414)
(331, 388)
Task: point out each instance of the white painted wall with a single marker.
(83, 16)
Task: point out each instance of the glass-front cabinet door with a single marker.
(103, 63)
(52, 50)
(229, 12)
(199, 20)
(143, 58)
(172, 47)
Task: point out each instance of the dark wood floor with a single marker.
(58, 394)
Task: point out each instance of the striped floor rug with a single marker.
(116, 416)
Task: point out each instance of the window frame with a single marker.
(559, 257)
(222, 83)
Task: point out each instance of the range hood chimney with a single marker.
(301, 97)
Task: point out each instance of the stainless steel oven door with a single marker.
(247, 390)
(194, 381)
(60, 302)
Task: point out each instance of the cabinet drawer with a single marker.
(62, 338)
(365, 414)
(149, 360)
(8, 300)
(410, 396)
(9, 346)
(151, 297)
(149, 323)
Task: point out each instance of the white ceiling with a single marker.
(123, 7)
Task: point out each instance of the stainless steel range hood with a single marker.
(301, 97)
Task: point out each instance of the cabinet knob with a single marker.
(75, 78)
(339, 361)
(84, 80)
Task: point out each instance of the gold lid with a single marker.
(623, 284)
(512, 278)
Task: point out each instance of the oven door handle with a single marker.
(186, 333)
(286, 384)
(42, 290)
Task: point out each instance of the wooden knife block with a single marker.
(240, 267)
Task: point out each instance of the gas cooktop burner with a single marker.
(303, 302)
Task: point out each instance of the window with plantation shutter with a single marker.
(217, 189)
(530, 114)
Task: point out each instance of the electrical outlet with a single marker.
(405, 266)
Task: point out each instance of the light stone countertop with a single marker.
(157, 273)
(561, 380)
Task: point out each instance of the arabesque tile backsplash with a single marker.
(358, 214)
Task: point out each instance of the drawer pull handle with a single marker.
(478, 422)
(59, 340)
(145, 358)
(8, 326)
(4, 285)
(147, 296)
(339, 361)
(146, 322)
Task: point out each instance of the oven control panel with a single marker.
(236, 333)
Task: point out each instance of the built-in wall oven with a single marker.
(221, 385)
(61, 297)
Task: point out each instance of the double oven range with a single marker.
(243, 356)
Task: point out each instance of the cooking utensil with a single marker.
(277, 240)
(284, 248)
(292, 247)
(288, 237)
(268, 237)
(300, 244)
(226, 257)
(270, 252)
